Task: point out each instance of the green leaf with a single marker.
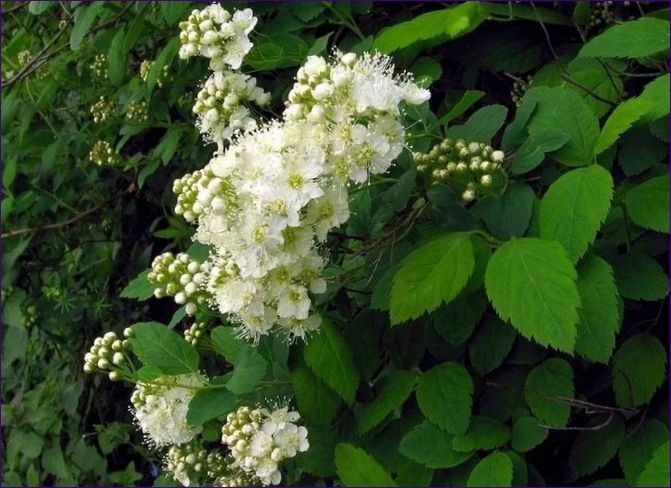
(156, 345)
(545, 383)
(250, 368)
(431, 274)
(117, 58)
(531, 282)
(482, 126)
(227, 342)
(639, 367)
(639, 150)
(426, 70)
(330, 358)
(456, 320)
(574, 207)
(452, 22)
(37, 8)
(634, 39)
(168, 145)
(533, 150)
(493, 470)
(173, 12)
(54, 462)
(527, 434)
(84, 18)
(595, 82)
(648, 204)
(445, 397)
(164, 58)
(210, 404)
(509, 215)
(491, 345)
(280, 50)
(356, 467)
(484, 433)
(431, 446)
(562, 113)
(317, 403)
(656, 472)
(139, 288)
(639, 277)
(320, 45)
(593, 449)
(599, 316)
(465, 102)
(393, 391)
(639, 447)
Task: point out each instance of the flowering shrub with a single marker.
(349, 244)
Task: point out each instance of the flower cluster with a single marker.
(520, 88)
(471, 168)
(145, 67)
(222, 105)
(260, 439)
(101, 110)
(181, 277)
(106, 353)
(189, 463)
(99, 66)
(193, 333)
(213, 33)
(267, 202)
(102, 154)
(160, 408)
(137, 111)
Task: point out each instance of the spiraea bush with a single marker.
(345, 244)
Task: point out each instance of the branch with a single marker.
(79, 216)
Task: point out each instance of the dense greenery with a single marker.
(511, 333)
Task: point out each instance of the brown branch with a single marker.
(594, 427)
(79, 216)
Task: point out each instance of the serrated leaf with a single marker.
(599, 316)
(330, 358)
(210, 404)
(156, 345)
(139, 288)
(639, 277)
(84, 18)
(563, 113)
(491, 345)
(648, 204)
(393, 391)
(431, 274)
(639, 447)
(249, 369)
(509, 215)
(547, 381)
(531, 282)
(656, 471)
(482, 125)
(574, 207)
(117, 57)
(317, 403)
(356, 467)
(532, 152)
(527, 434)
(484, 433)
(493, 470)
(445, 397)
(639, 367)
(431, 446)
(633, 39)
(592, 449)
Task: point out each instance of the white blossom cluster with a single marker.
(106, 353)
(181, 277)
(267, 202)
(101, 110)
(160, 409)
(260, 439)
(102, 154)
(214, 34)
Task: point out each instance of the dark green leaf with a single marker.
(546, 387)
(431, 446)
(527, 434)
(639, 367)
(392, 392)
(210, 404)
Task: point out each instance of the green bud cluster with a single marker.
(101, 110)
(29, 316)
(99, 66)
(106, 354)
(189, 462)
(193, 333)
(102, 154)
(238, 478)
(470, 168)
(198, 189)
(137, 111)
(240, 426)
(181, 277)
(520, 87)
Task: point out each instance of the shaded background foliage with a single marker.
(74, 234)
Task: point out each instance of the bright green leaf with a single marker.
(156, 345)
(493, 470)
(356, 467)
(633, 39)
(639, 447)
(482, 125)
(431, 446)
(139, 288)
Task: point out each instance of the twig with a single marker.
(545, 31)
(79, 216)
(594, 427)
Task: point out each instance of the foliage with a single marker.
(509, 336)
